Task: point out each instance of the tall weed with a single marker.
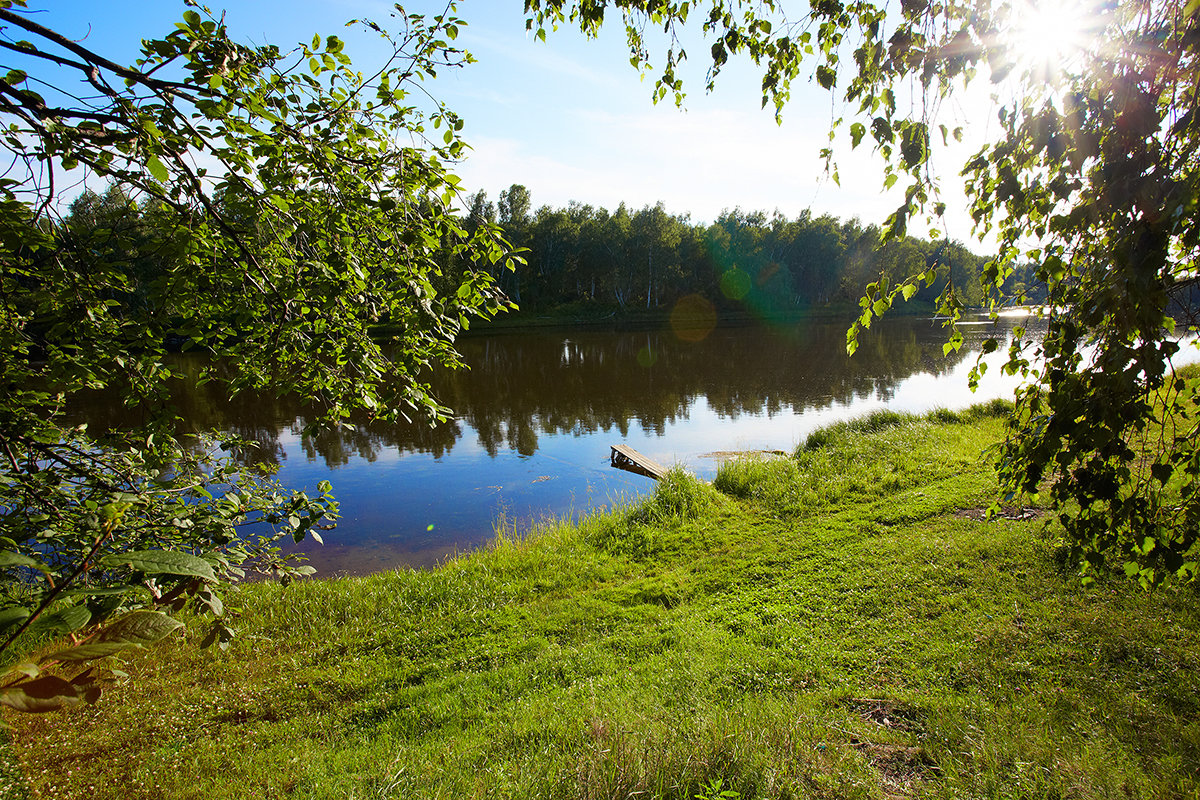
(883, 419)
(679, 496)
(653, 524)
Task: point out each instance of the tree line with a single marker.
(582, 254)
(766, 263)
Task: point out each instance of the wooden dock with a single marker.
(626, 458)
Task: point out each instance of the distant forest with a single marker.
(767, 264)
(583, 256)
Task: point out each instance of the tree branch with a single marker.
(91, 57)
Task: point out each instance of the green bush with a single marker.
(885, 418)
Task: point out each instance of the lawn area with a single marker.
(838, 624)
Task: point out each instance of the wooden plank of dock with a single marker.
(626, 458)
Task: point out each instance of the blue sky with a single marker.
(569, 118)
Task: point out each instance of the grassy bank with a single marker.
(841, 624)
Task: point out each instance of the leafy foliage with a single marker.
(269, 208)
(1092, 175)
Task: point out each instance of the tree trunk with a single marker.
(650, 277)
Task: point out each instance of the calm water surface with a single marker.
(537, 412)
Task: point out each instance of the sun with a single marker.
(1046, 38)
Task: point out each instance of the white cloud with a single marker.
(703, 162)
(509, 50)
(570, 120)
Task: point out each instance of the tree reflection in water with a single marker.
(536, 412)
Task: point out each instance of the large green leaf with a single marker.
(10, 559)
(48, 693)
(107, 591)
(162, 562)
(138, 627)
(63, 621)
(13, 616)
(86, 652)
(158, 169)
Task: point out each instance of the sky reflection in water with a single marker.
(538, 412)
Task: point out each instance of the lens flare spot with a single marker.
(766, 273)
(646, 357)
(693, 318)
(735, 283)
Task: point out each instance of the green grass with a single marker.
(831, 625)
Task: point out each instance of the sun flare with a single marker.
(1047, 38)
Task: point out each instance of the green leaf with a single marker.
(908, 290)
(157, 169)
(13, 616)
(106, 591)
(857, 131)
(138, 627)
(10, 559)
(213, 601)
(85, 652)
(47, 693)
(64, 621)
(23, 669)
(162, 562)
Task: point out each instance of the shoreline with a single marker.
(843, 622)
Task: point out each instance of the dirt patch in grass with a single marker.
(724, 454)
(1011, 513)
(901, 768)
(887, 714)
